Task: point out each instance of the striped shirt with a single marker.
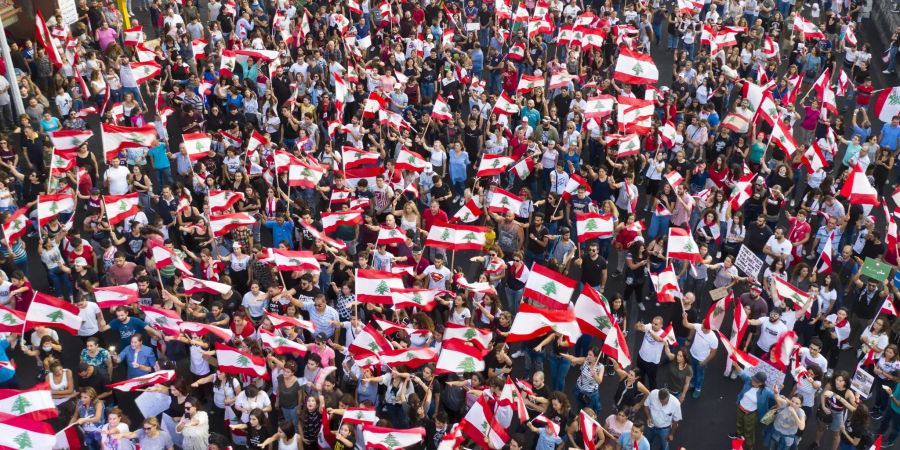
(586, 381)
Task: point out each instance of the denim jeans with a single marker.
(163, 178)
(290, 414)
(61, 283)
(780, 441)
(533, 257)
(513, 298)
(92, 440)
(587, 399)
(559, 368)
(660, 435)
(699, 374)
(892, 59)
(427, 90)
(659, 226)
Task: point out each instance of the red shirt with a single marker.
(429, 218)
(864, 94)
(87, 252)
(246, 332)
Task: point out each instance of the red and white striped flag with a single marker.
(232, 360)
(35, 403)
(163, 257)
(616, 347)
(133, 36)
(381, 438)
(223, 200)
(527, 83)
(549, 288)
(635, 68)
(145, 71)
(681, 245)
(11, 321)
(373, 286)
(736, 354)
(46, 310)
(69, 139)
(114, 296)
(280, 345)
(458, 357)
(16, 225)
(151, 379)
(441, 110)
(469, 212)
(456, 237)
(491, 165)
(197, 145)
(412, 358)
(116, 138)
(167, 321)
(50, 206)
(424, 299)
(505, 105)
(665, 283)
(593, 225)
(858, 189)
(360, 416)
(481, 425)
(220, 225)
(193, 285)
(410, 160)
(532, 322)
(121, 207)
(17, 433)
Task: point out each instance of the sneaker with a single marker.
(641, 307)
(696, 393)
(885, 71)
(734, 436)
(517, 354)
(734, 375)
(876, 416)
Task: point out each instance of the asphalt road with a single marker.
(707, 420)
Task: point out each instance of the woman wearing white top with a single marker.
(62, 386)
(194, 426)
(112, 435)
(874, 339)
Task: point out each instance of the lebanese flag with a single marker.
(295, 260)
(524, 168)
(222, 224)
(163, 257)
(116, 138)
(787, 291)
(783, 348)
(511, 400)
(381, 438)
(566, 36)
(50, 206)
(11, 321)
(223, 200)
(390, 236)
(305, 175)
(592, 313)
(528, 82)
(198, 46)
(456, 237)
(360, 416)
(35, 403)
(350, 217)
(813, 158)
(481, 287)
(409, 160)
(412, 358)
(234, 361)
(197, 145)
(549, 288)
(16, 225)
(145, 71)
(532, 322)
(634, 115)
(469, 212)
(69, 139)
(194, 285)
(336, 244)
(825, 256)
(850, 37)
(505, 105)
(560, 79)
(167, 321)
(888, 306)
(339, 197)
(858, 189)
(279, 321)
(877, 444)
(843, 84)
(599, 106)
(202, 329)
(133, 36)
(668, 134)
(616, 347)
(352, 176)
(151, 379)
(46, 310)
(770, 48)
(121, 207)
(635, 68)
(736, 354)
(280, 345)
(516, 52)
(373, 286)
(668, 336)
(716, 314)
(829, 102)
(736, 123)
(458, 357)
(783, 137)
(447, 37)
(807, 29)
(46, 39)
(369, 342)
(761, 103)
(741, 191)
(481, 425)
(665, 283)
(887, 104)
(551, 426)
(62, 161)
(674, 178)
(20, 433)
(441, 110)
(424, 299)
(481, 339)
(682, 245)
(491, 165)
(503, 201)
(590, 37)
(113, 296)
(572, 186)
(593, 225)
(589, 428)
(390, 328)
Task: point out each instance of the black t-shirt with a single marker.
(97, 380)
(757, 236)
(538, 233)
(134, 243)
(592, 270)
(441, 191)
(149, 298)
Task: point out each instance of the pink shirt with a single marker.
(106, 37)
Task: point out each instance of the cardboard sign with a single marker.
(748, 262)
(774, 377)
(718, 293)
(862, 382)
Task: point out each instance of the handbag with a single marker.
(769, 417)
(823, 416)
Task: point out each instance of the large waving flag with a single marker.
(280, 345)
(459, 357)
(616, 347)
(151, 379)
(858, 189)
(51, 206)
(532, 322)
(549, 288)
(373, 286)
(121, 207)
(34, 403)
(116, 138)
(682, 245)
(635, 68)
(20, 433)
(162, 256)
(69, 139)
(115, 296)
(482, 426)
(593, 225)
(736, 354)
(381, 438)
(232, 360)
(16, 225)
(451, 236)
(11, 321)
(592, 313)
(48, 311)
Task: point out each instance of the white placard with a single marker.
(748, 262)
(862, 382)
(152, 404)
(69, 12)
(473, 26)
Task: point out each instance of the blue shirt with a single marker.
(822, 236)
(459, 164)
(281, 232)
(322, 320)
(6, 374)
(547, 441)
(889, 136)
(626, 443)
(896, 395)
(160, 156)
(145, 357)
(477, 57)
(127, 330)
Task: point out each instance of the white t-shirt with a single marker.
(703, 343)
(89, 324)
(118, 180)
(260, 401)
(808, 360)
(5, 287)
(662, 416)
(651, 349)
(783, 247)
(437, 278)
(769, 332)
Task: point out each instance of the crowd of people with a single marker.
(290, 225)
